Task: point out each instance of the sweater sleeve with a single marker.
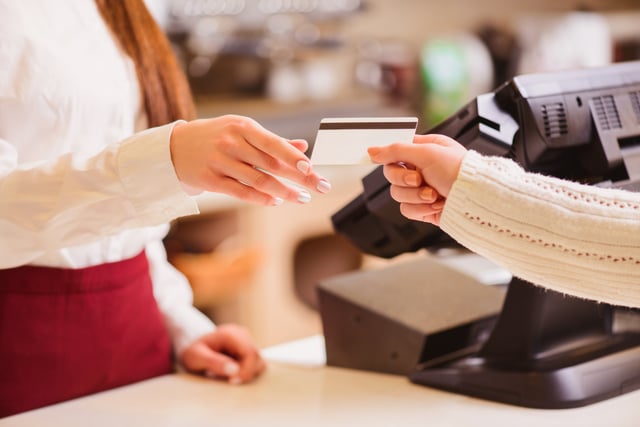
(572, 238)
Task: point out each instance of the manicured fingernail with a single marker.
(303, 166)
(277, 201)
(323, 186)
(427, 194)
(411, 179)
(304, 196)
(235, 381)
(231, 369)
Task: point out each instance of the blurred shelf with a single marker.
(300, 119)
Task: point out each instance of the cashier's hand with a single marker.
(236, 156)
(227, 353)
(421, 174)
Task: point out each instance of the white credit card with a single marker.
(344, 140)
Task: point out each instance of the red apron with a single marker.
(66, 333)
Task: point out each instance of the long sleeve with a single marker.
(82, 182)
(175, 300)
(74, 200)
(572, 238)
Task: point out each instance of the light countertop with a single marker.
(299, 390)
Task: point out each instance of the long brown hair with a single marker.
(165, 89)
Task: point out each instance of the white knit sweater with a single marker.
(576, 239)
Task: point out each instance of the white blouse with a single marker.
(576, 239)
(81, 182)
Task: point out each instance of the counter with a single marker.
(299, 390)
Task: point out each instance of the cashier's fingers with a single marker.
(300, 144)
(199, 357)
(228, 353)
(261, 171)
(234, 155)
(251, 366)
(283, 157)
(252, 184)
(235, 341)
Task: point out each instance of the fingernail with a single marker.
(209, 374)
(303, 166)
(231, 369)
(277, 201)
(427, 194)
(411, 179)
(324, 186)
(438, 205)
(304, 196)
(235, 381)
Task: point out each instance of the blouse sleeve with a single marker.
(576, 239)
(172, 292)
(129, 184)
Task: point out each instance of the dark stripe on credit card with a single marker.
(367, 125)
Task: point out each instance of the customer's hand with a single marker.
(227, 353)
(234, 155)
(421, 174)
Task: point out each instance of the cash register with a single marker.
(538, 348)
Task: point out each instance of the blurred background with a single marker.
(290, 63)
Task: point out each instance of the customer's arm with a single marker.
(572, 238)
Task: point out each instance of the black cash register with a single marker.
(541, 349)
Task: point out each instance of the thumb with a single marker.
(402, 152)
(434, 138)
(396, 153)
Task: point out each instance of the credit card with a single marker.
(344, 140)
